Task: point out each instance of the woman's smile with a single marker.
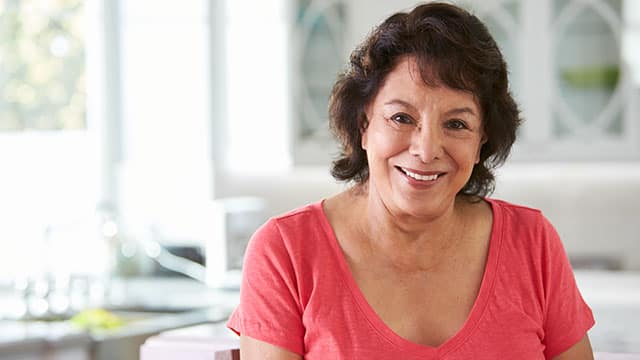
(420, 179)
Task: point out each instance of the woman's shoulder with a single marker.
(291, 228)
(321, 217)
(344, 204)
(512, 212)
(505, 204)
(524, 225)
(520, 222)
(305, 216)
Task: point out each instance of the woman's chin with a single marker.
(421, 210)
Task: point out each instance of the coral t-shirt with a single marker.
(299, 294)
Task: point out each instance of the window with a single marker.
(48, 148)
(164, 167)
(256, 130)
(110, 117)
(43, 66)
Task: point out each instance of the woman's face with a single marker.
(422, 143)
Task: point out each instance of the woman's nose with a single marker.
(426, 143)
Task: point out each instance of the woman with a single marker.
(413, 261)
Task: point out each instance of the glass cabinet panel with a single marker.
(503, 23)
(319, 30)
(588, 69)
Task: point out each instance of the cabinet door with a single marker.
(569, 76)
(318, 31)
(592, 95)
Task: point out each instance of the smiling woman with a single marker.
(414, 261)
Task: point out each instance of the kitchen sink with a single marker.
(137, 323)
(126, 313)
(145, 307)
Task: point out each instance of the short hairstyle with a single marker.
(451, 47)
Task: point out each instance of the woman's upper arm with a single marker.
(269, 308)
(580, 351)
(252, 349)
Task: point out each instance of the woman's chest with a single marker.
(346, 327)
(426, 308)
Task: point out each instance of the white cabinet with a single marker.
(570, 77)
(568, 71)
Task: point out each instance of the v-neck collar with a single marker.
(476, 313)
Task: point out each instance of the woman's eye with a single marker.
(402, 119)
(456, 124)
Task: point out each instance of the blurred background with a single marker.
(137, 133)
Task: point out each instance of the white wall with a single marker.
(594, 207)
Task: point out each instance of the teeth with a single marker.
(420, 177)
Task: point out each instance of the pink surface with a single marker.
(167, 348)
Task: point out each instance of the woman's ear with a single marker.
(363, 125)
(482, 142)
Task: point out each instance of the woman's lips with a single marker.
(423, 176)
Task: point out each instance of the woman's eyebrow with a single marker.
(401, 103)
(454, 111)
(461, 110)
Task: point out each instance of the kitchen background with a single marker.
(131, 131)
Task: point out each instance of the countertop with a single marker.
(614, 298)
(179, 302)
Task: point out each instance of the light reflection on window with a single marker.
(42, 65)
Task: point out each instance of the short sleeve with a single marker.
(269, 308)
(567, 317)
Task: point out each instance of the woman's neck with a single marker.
(409, 242)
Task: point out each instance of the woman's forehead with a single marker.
(405, 81)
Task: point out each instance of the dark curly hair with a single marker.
(451, 47)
